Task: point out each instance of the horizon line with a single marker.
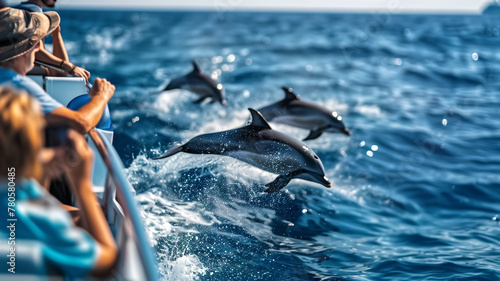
(270, 9)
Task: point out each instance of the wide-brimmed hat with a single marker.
(20, 31)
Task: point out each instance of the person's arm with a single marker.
(70, 69)
(58, 48)
(87, 117)
(91, 216)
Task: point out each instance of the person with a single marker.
(60, 56)
(75, 251)
(18, 45)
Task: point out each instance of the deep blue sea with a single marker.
(416, 187)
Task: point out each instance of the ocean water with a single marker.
(416, 187)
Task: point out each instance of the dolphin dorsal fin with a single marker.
(258, 120)
(196, 67)
(289, 95)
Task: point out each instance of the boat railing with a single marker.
(121, 211)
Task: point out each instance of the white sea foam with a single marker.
(165, 219)
(371, 110)
(169, 102)
(221, 121)
(185, 268)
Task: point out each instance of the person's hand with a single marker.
(80, 72)
(53, 162)
(75, 71)
(79, 159)
(57, 32)
(102, 87)
(74, 159)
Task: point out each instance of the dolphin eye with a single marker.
(316, 156)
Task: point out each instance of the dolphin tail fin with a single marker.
(313, 135)
(280, 182)
(170, 152)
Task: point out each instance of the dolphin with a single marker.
(200, 84)
(259, 145)
(295, 112)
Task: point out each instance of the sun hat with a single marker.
(20, 31)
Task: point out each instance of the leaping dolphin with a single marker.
(258, 145)
(295, 112)
(200, 84)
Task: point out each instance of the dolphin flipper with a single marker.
(280, 182)
(170, 152)
(200, 100)
(170, 86)
(313, 134)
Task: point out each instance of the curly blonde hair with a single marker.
(21, 125)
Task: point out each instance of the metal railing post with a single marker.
(123, 193)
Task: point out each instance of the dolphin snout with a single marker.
(347, 132)
(326, 182)
(223, 102)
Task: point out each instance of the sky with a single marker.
(384, 6)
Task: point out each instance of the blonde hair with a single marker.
(21, 124)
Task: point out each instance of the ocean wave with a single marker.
(415, 186)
